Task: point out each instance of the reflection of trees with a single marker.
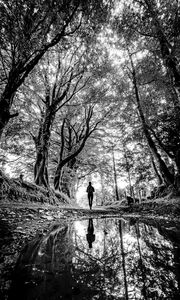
(161, 261)
(128, 260)
(123, 260)
(153, 264)
(43, 270)
(174, 237)
(141, 265)
(166, 258)
(100, 268)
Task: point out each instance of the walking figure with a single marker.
(90, 191)
(90, 236)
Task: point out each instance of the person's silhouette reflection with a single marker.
(90, 236)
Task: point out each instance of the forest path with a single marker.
(30, 219)
(21, 221)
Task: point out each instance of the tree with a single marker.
(28, 30)
(167, 33)
(74, 134)
(168, 178)
(157, 24)
(149, 30)
(61, 75)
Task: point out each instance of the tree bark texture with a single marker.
(42, 150)
(160, 180)
(67, 180)
(6, 101)
(4, 116)
(62, 180)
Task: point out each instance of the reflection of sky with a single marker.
(128, 260)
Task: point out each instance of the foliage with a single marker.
(127, 71)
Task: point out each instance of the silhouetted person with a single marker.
(129, 200)
(90, 236)
(90, 191)
(21, 177)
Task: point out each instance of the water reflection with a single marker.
(99, 259)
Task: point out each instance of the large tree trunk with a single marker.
(4, 116)
(57, 177)
(42, 149)
(167, 176)
(6, 103)
(65, 184)
(63, 180)
(40, 168)
(15, 78)
(160, 180)
(170, 61)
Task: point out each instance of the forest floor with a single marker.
(20, 222)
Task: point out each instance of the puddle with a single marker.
(99, 259)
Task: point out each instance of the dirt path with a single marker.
(29, 219)
(20, 222)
